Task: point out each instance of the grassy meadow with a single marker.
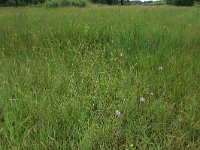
(100, 77)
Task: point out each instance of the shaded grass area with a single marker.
(65, 72)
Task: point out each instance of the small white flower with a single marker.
(121, 54)
(152, 94)
(142, 100)
(160, 68)
(118, 113)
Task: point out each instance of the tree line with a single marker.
(109, 2)
(32, 2)
(20, 2)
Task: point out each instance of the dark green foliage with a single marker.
(110, 2)
(19, 2)
(59, 3)
(50, 4)
(2, 2)
(64, 3)
(181, 2)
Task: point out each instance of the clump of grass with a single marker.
(99, 78)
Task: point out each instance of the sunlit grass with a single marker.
(100, 78)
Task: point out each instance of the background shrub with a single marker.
(20, 2)
(64, 3)
(181, 2)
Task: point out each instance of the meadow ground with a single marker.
(100, 78)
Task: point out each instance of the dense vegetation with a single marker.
(55, 3)
(110, 2)
(48, 3)
(62, 3)
(181, 2)
(20, 2)
(100, 78)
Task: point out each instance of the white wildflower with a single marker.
(160, 68)
(142, 100)
(118, 113)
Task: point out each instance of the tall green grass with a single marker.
(66, 72)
